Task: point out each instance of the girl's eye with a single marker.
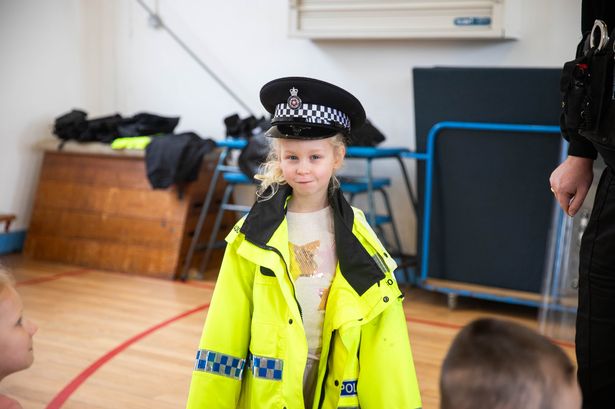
(19, 322)
(315, 157)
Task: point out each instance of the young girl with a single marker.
(15, 336)
(306, 312)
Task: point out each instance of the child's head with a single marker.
(311, 120)
(494, 364)
(15, 331)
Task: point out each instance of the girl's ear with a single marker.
(340, 153)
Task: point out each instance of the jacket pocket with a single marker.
(264, 339)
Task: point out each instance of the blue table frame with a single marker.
(430, 158)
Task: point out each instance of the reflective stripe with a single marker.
(220, 364)
(349, 388)
(266, 368)
(380, 262)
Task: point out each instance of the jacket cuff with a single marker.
(579, 146)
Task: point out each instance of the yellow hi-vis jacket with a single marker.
(253, 350)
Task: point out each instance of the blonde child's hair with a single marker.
(270, 174)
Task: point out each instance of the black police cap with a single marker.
(307, 108)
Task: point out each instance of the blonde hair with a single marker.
(270, 173)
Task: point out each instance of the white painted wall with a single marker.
(43, 72)
(104, 57)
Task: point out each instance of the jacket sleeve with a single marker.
(221, 358)
(579, 146)
(386, 365)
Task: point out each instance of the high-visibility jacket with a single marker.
(253, 350)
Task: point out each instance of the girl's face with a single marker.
(307, 165)
(15, 334)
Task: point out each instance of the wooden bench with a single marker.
(98, 210)
(7, 219)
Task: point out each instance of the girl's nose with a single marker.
(31, 327)
(303, 168)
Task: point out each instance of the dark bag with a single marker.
(253, 155)
(256, 151)
(101, 129)
(75, 126)
(586, 86)
(245, 128)
(367, 135)
(70, 125)
(144, 124)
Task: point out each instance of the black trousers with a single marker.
(595, 336)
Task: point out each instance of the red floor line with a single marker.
(457, 326)
(192, 283)
(51, 277)
(69, 389)
(434, 323)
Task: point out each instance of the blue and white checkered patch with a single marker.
(267, 368)
(312, 113)
(220, 364)
(349, 388)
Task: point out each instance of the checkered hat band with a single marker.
(266, 368)
(312, 113)
(219, 364)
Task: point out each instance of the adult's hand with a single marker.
(570, 182)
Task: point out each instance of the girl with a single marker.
(306, 312)
(15, 336)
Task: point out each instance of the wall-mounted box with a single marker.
(404, 19)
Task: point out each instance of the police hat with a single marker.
(306, 108)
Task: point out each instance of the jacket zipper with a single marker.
(276, 251)
(324, 378)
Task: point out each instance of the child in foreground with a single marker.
(306, 312)
(16, 334)
(495, 364)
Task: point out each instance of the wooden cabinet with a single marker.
(99, 211)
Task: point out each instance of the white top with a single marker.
(312, 265)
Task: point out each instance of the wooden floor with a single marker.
(109, 340)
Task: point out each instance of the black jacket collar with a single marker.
(356, 265)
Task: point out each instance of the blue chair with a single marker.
(233, 179)
(221, 169)
(370, 184)
(354, 185)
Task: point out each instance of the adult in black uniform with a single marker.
(595, 336)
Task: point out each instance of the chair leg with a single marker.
(351, 198)
(382, 236)
(390, 213)
(395, 233)
(215, 229)
(199, 226)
